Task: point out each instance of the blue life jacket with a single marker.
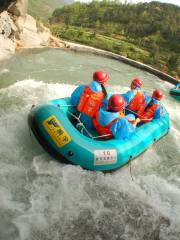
(121, 128)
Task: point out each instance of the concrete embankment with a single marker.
(161, 75)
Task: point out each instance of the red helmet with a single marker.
(157, 94)
(137, 82)
(100, 76)
(116, 103)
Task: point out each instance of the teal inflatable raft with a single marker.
(175, 92)
(53, 126)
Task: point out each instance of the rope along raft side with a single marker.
(53, 125)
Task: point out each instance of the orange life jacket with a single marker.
(90, 102)
(147, 115)
(105, 130)
(137, 101)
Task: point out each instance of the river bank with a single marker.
(18, 31)
(83, 48)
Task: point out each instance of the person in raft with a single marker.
(112, 123)
(178, 86)
(89, 98)
(135, 97)
(152, 108)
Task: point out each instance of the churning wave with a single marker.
(44, 199)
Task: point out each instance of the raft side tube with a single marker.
(102, 155)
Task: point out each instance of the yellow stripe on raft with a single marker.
(56, 131)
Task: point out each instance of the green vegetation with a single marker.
(43, 8)
(147, 32)
(99, 41)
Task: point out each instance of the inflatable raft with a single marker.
(53, 126)
(175, 92)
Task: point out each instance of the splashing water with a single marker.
(43, 199)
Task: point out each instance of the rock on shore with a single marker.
(20, 30)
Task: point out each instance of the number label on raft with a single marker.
(102, 157)
(56, 131)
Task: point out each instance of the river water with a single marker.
(41, 199)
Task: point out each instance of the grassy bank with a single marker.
(93, 39)
(145, 32)
(115, 45)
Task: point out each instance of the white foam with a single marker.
(3, 71)
(29, 92)
(163, 195)
(60, 196)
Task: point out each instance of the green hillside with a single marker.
(147, 32)
(44, 8)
